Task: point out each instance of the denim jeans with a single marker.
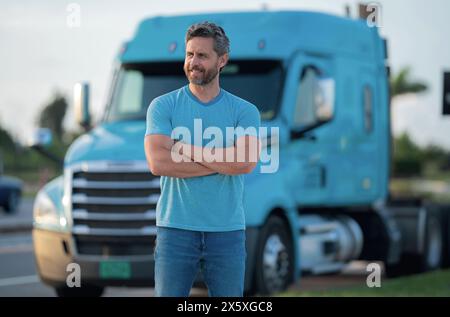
(180, 254)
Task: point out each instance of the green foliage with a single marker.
(402, 84)
(52, 116)
(7, 149)
(408, 157)
(411, 160)
(436, 154)
(6, 140)
(429, 284)
(27, 163)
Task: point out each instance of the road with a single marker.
(18, 276)
(22, 219)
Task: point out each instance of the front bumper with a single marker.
(54, 251)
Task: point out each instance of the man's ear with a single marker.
(223, 60)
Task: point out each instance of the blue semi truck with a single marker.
(322, 82)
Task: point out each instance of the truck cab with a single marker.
(319, 196)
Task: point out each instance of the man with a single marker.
(200, 215)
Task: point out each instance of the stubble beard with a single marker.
(207, 76)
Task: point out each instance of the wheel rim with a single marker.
(434, 246)
(275, 263)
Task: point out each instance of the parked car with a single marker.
(10, 192)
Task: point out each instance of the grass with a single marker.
(430, 284)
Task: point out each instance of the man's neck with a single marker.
(205, 93)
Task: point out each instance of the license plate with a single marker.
(115, 269)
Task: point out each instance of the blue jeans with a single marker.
(179, 254)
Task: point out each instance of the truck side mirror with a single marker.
(81, 105)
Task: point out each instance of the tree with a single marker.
(6, 140)
(436, 159)
(401, 83)
(52, 116)
(407, 158)
(7, 150)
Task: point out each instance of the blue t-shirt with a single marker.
(206, 203)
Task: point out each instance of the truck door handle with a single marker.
(323, 176)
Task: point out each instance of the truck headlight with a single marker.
(45, 212)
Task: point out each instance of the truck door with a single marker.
(309, 108)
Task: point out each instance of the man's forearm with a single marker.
(222, 160)
(229, 168)
(184, 170)
(166, 166)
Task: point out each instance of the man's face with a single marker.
(202, 64)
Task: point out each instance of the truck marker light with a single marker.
(172, 47)
(261, 44)
(123, 49)
(62, 221)
(367, 183)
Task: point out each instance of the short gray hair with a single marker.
(211, 30)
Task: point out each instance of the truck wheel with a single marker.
(275, 258)
(430, 259)
(85, 291)
(12, 203)
(445, 214)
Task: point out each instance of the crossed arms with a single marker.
(160, 150)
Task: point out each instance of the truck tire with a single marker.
(84, 291)
(12, 203)
(274, 258)
(445, 214)
(430, 259)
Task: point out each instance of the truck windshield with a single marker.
(259, 82)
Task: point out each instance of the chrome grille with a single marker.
(114, 209)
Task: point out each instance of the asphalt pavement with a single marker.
(20, 221)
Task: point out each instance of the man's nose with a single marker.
(195, 61)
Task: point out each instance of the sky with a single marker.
(41, 54)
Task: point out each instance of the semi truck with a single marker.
(321, 84)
